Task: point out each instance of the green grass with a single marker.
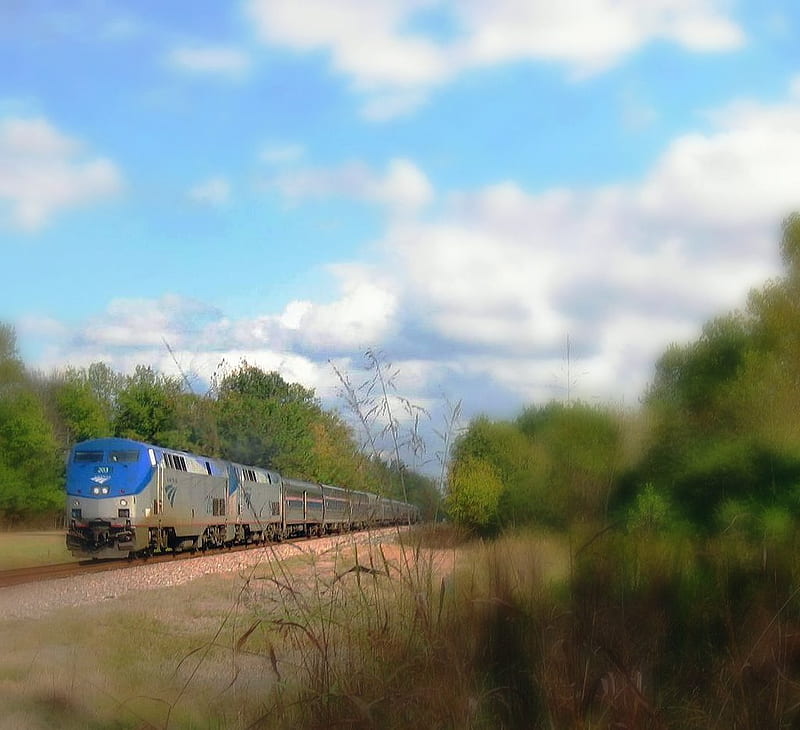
(26, 549)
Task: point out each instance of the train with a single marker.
(128, 498)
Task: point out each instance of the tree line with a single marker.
(248, 415)
(714, 446)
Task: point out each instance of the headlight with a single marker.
(123, 503)
(104, 490)
(95, 490)
(77, 503)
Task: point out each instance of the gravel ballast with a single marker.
(35, 600)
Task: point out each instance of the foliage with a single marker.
(265, 421)
(474, 495)
(30, 463)
(505, 451)
(11, 368)
(148, 409)
(726, 408)
(581, 446)
(556, 465)
(249, 416)
(81, 411)
(651, 511)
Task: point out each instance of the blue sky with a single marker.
(461, 185)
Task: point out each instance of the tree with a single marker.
(148, 409)
(790, 245)
(726, 408)
(30, 463)
(474, 492)
(11, 368)
(556, 464)
(335, 456)
(578, 451)
(80, 411)
(198, 415)
(105, 384)
(265, 421)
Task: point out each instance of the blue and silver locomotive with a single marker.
(125, 498)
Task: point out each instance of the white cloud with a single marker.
(133, 323)
(500, 280)
(43, 171)
(33, 325)
(363, 38)
(403, 188)
(215, 192)
(484, 292)
(746, 171)
(395, 68)
(221, 60)
(363, 314)
(590, 35)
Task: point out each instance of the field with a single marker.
(124, 664)
(25, 549)
(218, 652)
(591, 630)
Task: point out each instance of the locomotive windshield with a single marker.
(125, 456)
(87, 456)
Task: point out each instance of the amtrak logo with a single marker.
(171, 489)
(101, 478)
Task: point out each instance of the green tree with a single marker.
(265, 421)
(31, 469)
(11, 368)
(30, 462)
(105, 384)
(474, 493)
(504, 447)
(579, 451)
(148, 408)
(81, 413)
(556, 464)
(198, 415)
(726, 408)
(336, 458)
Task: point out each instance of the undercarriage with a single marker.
(100, 538)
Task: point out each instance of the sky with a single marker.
(513, 201)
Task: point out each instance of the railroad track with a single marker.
(46, 572)
(38, 573)
(34, 574)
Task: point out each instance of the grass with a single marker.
(636, 630)
(208, 654)
(27, 549)
(133, 662)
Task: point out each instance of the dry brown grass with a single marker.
(207, 654)
(637, 632)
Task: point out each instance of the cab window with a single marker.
(88, 456)
(125, 456)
